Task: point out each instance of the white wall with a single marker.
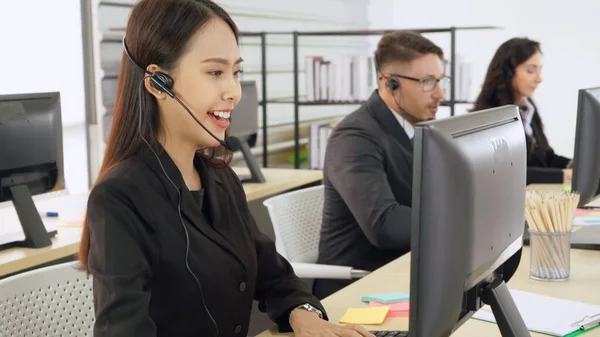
(32, 61)
(568, 33)
(565, 30)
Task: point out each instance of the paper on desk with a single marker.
(546, 314)
(372, 315)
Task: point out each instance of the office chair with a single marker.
(50, 301)
(296, 218)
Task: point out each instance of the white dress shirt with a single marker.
(408, 128)
(527, 116)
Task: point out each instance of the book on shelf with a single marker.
(350, 78)
(319, 134)
(462, 79)
(339, 78)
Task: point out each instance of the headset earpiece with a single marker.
(507, 70)
(393, 84)
(162, 82)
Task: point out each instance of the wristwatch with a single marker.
(308, 308)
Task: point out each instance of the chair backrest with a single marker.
(296, 217)
(50, 301)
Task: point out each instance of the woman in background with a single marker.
(512, 77)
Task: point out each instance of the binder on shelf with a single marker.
(319, 134)
(549, 315)
(462, 79)
(343, 78)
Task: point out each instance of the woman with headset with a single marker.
(512, 77)
(168, 237)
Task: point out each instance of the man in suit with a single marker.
(368, 161)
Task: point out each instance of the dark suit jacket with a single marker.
(368, 192)
(543, 165)
(142, 285)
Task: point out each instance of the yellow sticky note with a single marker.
(70, 224)
(373, 315)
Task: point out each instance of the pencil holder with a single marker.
(550, 254)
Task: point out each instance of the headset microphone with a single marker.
(164, 82)
(231, 143)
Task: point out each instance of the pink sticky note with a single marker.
(398, 309)
(398, 314)
(586, 212)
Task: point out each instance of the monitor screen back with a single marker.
(30, 130)
(31, 134)
(586, 160)
(468, 209)
(244, 118)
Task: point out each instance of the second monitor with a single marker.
(244, 125)
(31, 161)
(586, 161)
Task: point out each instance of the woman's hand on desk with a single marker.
(567, 175)
(305, 324)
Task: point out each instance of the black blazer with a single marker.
(543, 165)
(368, 192)
(142, 285)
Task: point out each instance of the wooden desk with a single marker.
(279, 180)
(545, 188)
(583, 286)
(66, 241)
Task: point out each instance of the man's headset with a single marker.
(163, 82)
(394, 85)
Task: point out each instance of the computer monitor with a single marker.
(586, 160)
(468, 211)
(31, 157)
(244, 125)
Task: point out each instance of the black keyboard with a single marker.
(390, 333)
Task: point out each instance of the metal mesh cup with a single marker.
(550, 255)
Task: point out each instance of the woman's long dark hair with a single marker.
(158, 32)
(497, 89)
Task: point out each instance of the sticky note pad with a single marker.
(71, 224)
(398, 309)
(390, 297)
(566, 188)
(371, 315)
(581, 212)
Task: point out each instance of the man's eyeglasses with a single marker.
(427, 83)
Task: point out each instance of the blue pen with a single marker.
(49, 214)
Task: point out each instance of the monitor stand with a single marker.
(592, 204)
(505, 311)
(36, 235)
(256, 175)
